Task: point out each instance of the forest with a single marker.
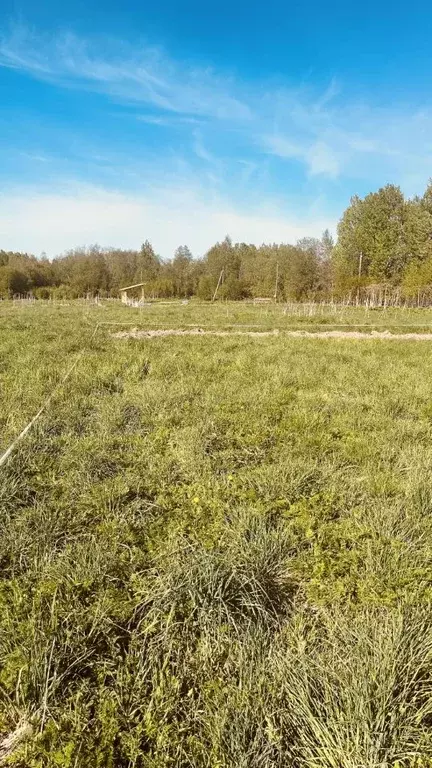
(383, 252)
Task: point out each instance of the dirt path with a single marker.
(135, 333)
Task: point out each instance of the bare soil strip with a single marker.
(136, 333)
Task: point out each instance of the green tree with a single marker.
(348, 250)
(84, 270)
(302, 273)
(223, 256)
(326, 277)
(182, 271)
(371, 243)
(148, 264)
(122, 267)
(233, 289)
(13, 282)
(426, 200)
(206, 287)
(417, 231)
(417, 281)
(382, 233)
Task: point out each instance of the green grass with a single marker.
(216, 551)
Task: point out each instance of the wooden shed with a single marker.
(124, 295)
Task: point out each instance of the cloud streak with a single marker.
(143, 76)
(325, 132)
(248, 144)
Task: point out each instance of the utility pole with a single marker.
(359, 277)
(218, 284)
(277, 281)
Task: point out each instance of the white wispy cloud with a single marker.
(39, 158)
(168, 120)
(318, 156)
(231, 134)
(202, 152)
(328, 133)
(146, 76)
(283, 147)
(34, 220)
(322, 158)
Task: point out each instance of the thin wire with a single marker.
(4, 457)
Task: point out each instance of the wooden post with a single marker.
(218, 284)
(277, 281)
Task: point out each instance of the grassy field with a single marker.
(215, 551)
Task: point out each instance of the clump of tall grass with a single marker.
(357, 690)
(246, 575)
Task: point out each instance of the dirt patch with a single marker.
(136, 333)
(362, 335)
(148, 334)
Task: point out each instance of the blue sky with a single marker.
(184, 122)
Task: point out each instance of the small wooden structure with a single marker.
(126, 299)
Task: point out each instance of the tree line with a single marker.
(383, 252)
